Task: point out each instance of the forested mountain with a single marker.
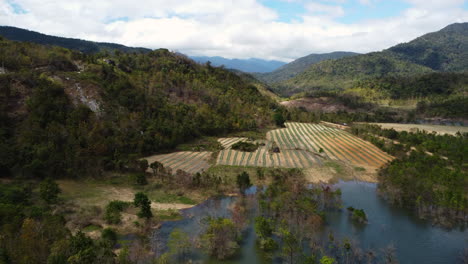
(245, 65)
(445, 50)
(299, 65)
(66, 113)
(19, 34)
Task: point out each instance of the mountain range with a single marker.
(245, 65)
(24, 35)
(442, 51)
(299, 65)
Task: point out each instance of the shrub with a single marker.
(113, 210)
(142, 201)
(139, 179)
(49, 190)
(245, 146)
(109, 235)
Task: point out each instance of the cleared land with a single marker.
(188, 161)
(299, 146)
(335, 143)
(264, 157)
(451, 130)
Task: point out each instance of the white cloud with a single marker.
(324, 10)
(235, 29)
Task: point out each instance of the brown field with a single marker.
(439, 129)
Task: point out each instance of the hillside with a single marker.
(299, 65)
(65, 113)
(24, 35)
(445, 50)
(343, 73)
(245, 65)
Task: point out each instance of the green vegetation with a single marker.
(245, 146)
(32, 233)
(138, 105)
(221, 238)
(341, 74)
(429, 69)
(112, 212)
(429, 174)
(243, 182)
(142, 201)
(299, 65)
(84, 46)
(358, 215)
(49, 190)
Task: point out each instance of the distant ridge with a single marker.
(299, 65)
(443, 51)
(245, 65)
(24, 35)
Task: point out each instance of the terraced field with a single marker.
(450, 130)
(336, 144)
(228, 142)
(299, 145)
(264, 157)
(188, 161)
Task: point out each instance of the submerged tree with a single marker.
(243, 182)
(221, 238)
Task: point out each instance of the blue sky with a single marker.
(267, 29)
(354, 10)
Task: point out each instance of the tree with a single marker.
(243, 182)
(220, 239)
(279, 119)
(140, 178)
(179, 245)
(157, 167)
(49, 190)
(327, 260)
(142, 201)
(291, 246)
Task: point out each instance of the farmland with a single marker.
(299, 146)
(451, 130)
(189, 161)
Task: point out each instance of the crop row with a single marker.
(188, 161)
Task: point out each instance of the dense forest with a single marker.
(426, 68)
(65, 113)
(429, 173)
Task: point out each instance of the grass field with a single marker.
(189, 161)
(451, 130)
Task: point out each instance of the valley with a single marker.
(115, 154)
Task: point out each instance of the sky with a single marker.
(267, 29)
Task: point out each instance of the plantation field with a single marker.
(264, 157)
(451, 130)
(228, 142)
(300, 145)
(189, 161)
(335, 143)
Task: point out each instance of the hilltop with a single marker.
(299, 65)
(24, 35)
